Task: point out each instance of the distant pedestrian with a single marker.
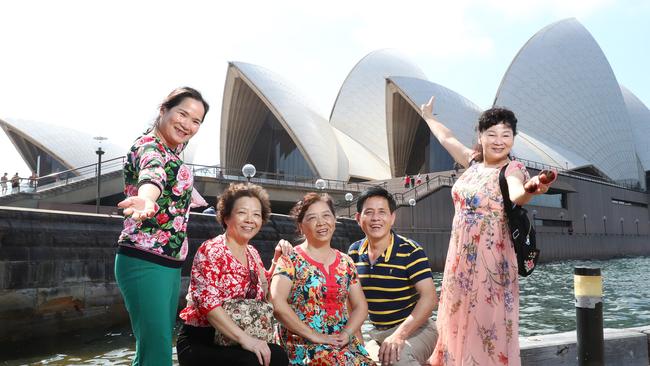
(407, 181)
(426, 177)
(3, 183)
(33, 179)
(15, 183)
(412, 181)
(418, 180)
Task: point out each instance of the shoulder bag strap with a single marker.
(503, 184)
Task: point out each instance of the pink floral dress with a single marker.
(478, 315)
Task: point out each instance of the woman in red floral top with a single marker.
(153, 245)
(316, 294)
(227, 267)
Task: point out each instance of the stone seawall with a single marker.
(56, 268)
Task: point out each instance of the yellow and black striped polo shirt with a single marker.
(389, 283)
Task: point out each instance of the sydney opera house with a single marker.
(573, 115)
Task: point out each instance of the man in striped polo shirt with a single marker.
(396, 278)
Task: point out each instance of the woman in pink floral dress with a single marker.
(478, 315)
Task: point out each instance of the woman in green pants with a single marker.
(153, 244)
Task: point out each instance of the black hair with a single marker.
(376, 191)
(493, 117)
(176, 97)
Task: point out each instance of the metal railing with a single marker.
(578, 175)
(86, 172)
(270, 178)
(65, 177)
(423, 189)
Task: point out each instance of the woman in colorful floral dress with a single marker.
(316, 294)
(227, 268)
(153, 244)
(478, 314)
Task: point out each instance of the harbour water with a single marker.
(546, 302)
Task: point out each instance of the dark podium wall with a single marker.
(56, 268)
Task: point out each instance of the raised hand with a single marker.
(427, 109)
(138, 208)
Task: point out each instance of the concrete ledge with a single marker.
(624, 347)
(627, 347)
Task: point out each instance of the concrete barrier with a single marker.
(623, 347)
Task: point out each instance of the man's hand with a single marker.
(390, 349)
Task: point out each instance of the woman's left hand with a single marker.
(342, 339)
(283, 248)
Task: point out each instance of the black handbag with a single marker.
(521, 230)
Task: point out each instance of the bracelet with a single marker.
(350, 335)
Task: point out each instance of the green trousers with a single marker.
(150, 294)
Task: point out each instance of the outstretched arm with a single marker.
(517, 191)
(461, 153)
(142, 206)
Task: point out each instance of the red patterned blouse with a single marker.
(218, 276)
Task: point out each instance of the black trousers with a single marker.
(196, 348)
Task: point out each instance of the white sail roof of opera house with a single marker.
(363, 163)
(404, 95)
(70, 148)
(250, 93)
(564, 93)
(640, 119)
(360, 107)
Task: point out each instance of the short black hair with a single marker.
(495, 116)
(376, 191)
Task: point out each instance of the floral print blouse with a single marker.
(319, 298)
(162, 238)
(218, 276)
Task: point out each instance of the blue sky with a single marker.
(102, 67)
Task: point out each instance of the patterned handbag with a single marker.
(255, 317)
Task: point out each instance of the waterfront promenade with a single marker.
(56, 273)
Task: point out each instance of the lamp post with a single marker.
(248, 170)
(412, 204)
(99, 153)
(621, 220)
(605, 224)
(636, 222)
(320, 184)
(349, 197)
(584, 221)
